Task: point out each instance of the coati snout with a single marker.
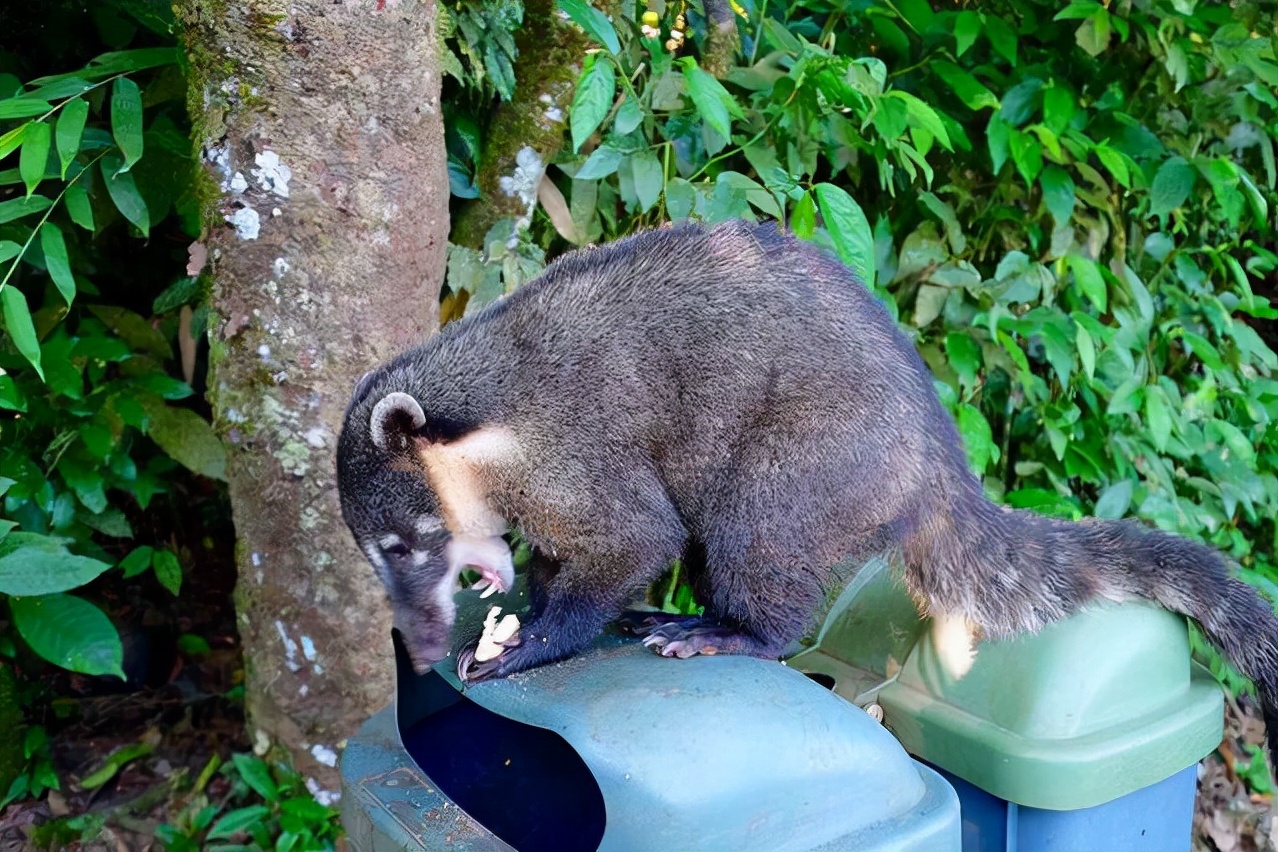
(400, 527)
(736, 398)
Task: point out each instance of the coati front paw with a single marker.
(480, 659)
(470, 669)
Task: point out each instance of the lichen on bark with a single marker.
(322, 120)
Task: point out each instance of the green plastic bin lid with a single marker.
(1092, 708)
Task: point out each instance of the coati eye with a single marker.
(398, 549)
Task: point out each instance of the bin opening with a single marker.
(822, 678)
(525, 784)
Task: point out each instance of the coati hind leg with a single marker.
(757, 597)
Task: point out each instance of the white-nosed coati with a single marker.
(736, 397)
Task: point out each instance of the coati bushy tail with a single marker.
(1008, 570)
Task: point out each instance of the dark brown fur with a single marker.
(737, 397)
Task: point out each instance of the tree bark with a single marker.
(327, 216)
(722, 39)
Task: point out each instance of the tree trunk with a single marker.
(550, 54)
(327, 218)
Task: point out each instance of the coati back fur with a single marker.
(737, 398)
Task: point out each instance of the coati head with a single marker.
(415, 501)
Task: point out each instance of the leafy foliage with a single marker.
(1066, 207)
(268, 805)
(90, 424)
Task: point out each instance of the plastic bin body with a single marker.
(1085, 736)
(1157, 818)
(714, 753)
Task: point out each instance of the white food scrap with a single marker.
(495, 633)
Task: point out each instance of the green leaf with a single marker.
(603, 162)
(240, 819)
(592, 100)
(188, 439)
(971, 91)
(1027, 154)
(713, 102)
(1157, 417)
(138, 560)
(117, 761)
(681, 198)
(11, 398)
(1088, 277)
(44, 568)
(1238, 444)
(1058, 194)
(1058, 108)
(1172, 184)
(70, 127)
(1086, 351)
(978, 439)
(1078, 10)
(1094, 33)
(849, 228)
(629, 116)
(1114, 500)
(119, 62)
(967, 26)
(803, 217)
(124, 192)
(649, 179)
(1255, 200)
(1002, 37)
(307, 809)
(55, 259)
(922, 116)
(17, 320)
(167, 570)
(67, 88)
(69, 632)
(18, 207)
(23, 108)
(1113, 161)
(929, 301)
(126, 119)
(965, 357)
(998, 132)
(256, 774)
(594, 22)
(35, 155)
(1202, 348)
(11, 139)
(9, 250)
(944, 212)
(76, 200)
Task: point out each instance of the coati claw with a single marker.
(471, 671)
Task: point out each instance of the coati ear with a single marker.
(395, 417)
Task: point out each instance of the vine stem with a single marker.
(45, 218)
(738, 149)
(70, 98)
